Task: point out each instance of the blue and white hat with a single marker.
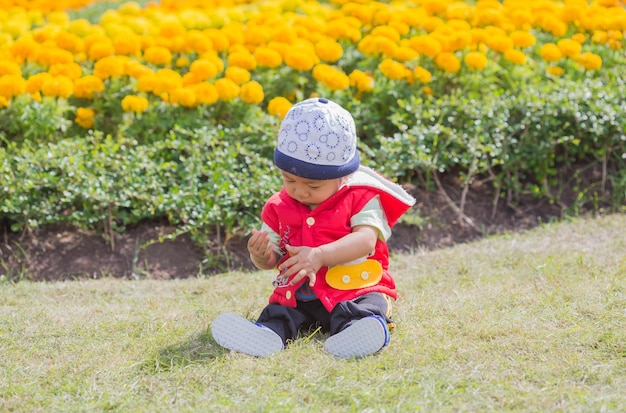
(317, 140)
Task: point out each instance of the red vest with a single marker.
(298, 225)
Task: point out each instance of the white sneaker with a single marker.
(239, 334)
(365, 337)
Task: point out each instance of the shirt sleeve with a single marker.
(373, 215)
(274, 239)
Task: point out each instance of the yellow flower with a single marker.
(100, 49)
(127, 44)
(299, 59)
(278, 106)
(252, 92)
(86, 86)
(500, 43)
(328, 50)
(203, 69)
(85, 117)
(206, 93)
(448, 62)
(267, 57)
(555, 70)
(227, 89)
(58, 86)
(183, 96)
(428, 91)
(242, 59)
(374, 45)
(71, 70)
(12, 85)
(405, 54)
(8, 67)
(157, 55)
(590, 61)
(218, 38)
(569, 47)
(522, 38)
(426, 45)
(331, 77)
(4, 102)
(550, 52)
(362, 81)
(110, 66)
(515, 56)
(237, 74)
(166, 81)
(422, 74)
(394, 70)
(134, 103)
(476, 60)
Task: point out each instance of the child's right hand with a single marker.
(259, 245)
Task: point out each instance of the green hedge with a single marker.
(217, 176)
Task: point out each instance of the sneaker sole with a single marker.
(239, 334)
(365, 337)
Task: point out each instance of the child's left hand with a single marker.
(303, 262)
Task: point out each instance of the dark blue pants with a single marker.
(307, 315)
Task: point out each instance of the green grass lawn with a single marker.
(525, 322)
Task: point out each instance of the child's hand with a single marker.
(303, 262)
(259, 245)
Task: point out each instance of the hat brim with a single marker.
(315, 171)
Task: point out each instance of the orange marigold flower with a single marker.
(206, 93)
(500, 43)
(328, 50)
(405, 54)
(279, 106)
(555, 70)
(86, 86)
(422, 74)
(33, 84)
(58, 86)
(550, 52)
(394, 70)
(157, 55)
(12, 85)
(237, 75)
(515, 56)
(183, 96)
(110, 66)
(100, 49)
(331, 77)
(569, 47)
(203, 69)
(71, 70)
(522, 38)
(242, 59)
(134, 103)
(361, 80)
(476, 60)
(85, 117)
(267, 57)
(127, 44)
(590, 61)
(252, 93)
(448, 62)
(227, 89)
(8, 67)
(426, 45)
(299, 59)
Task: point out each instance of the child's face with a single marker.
(310, 191)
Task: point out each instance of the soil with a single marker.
(59, 252)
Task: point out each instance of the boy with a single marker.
(326, 233)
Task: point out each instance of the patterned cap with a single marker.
(317, 140)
